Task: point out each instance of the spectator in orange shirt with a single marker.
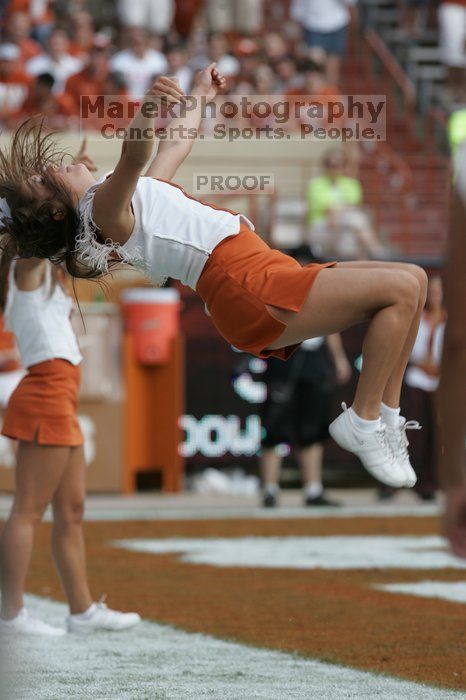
(18, 30)
(315, 86)
(115, 84)
(41, 14)
(14, 82)
(56, 109)
(91, 79)
(185, 16)
(82, 34)
(248, 53)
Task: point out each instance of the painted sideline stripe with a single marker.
(252, 512)
(155, 661)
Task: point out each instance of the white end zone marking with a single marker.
(352, 552)
(453, 591)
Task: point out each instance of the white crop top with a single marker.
(41, 322)
(173, 234)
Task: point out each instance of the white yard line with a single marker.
(254, 513)
(329, 552)
(156, 662)
(453, 591)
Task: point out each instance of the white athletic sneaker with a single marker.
(101, 618)
(373, 449)
(398, 441)
(25, 624)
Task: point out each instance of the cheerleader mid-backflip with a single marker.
(41, 416)
(260, 300)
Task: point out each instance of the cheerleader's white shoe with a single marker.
(101, 618)
(398, 441)
(25, 624)
(373, 449)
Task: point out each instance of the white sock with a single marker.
(389, 415)
(271, 489)
(86, 614)
(365, 426)
(313, 489)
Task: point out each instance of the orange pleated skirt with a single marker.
(43, 407)
(242, 275)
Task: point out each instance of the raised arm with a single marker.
(112, 202)
(184, 130)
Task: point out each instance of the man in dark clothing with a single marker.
(297, 412)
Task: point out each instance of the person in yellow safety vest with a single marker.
(456, 129)
(338, 224)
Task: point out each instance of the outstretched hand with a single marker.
(209, 81)
(167, 90)
(83, 157)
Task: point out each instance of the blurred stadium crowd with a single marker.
(52, 52)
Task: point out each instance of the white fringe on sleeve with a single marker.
(89, 249)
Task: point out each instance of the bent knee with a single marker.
(407, 290)
(421, 275)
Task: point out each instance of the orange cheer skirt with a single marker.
(242, 276)
(43, 407)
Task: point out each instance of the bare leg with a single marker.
(310, 460)
(344, 296)
(38, 473)
(391, 395)
(67, 533)
(270, 464)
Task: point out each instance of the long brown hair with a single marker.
(33, 229)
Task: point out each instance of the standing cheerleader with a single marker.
(41, 415)
(262, 301)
